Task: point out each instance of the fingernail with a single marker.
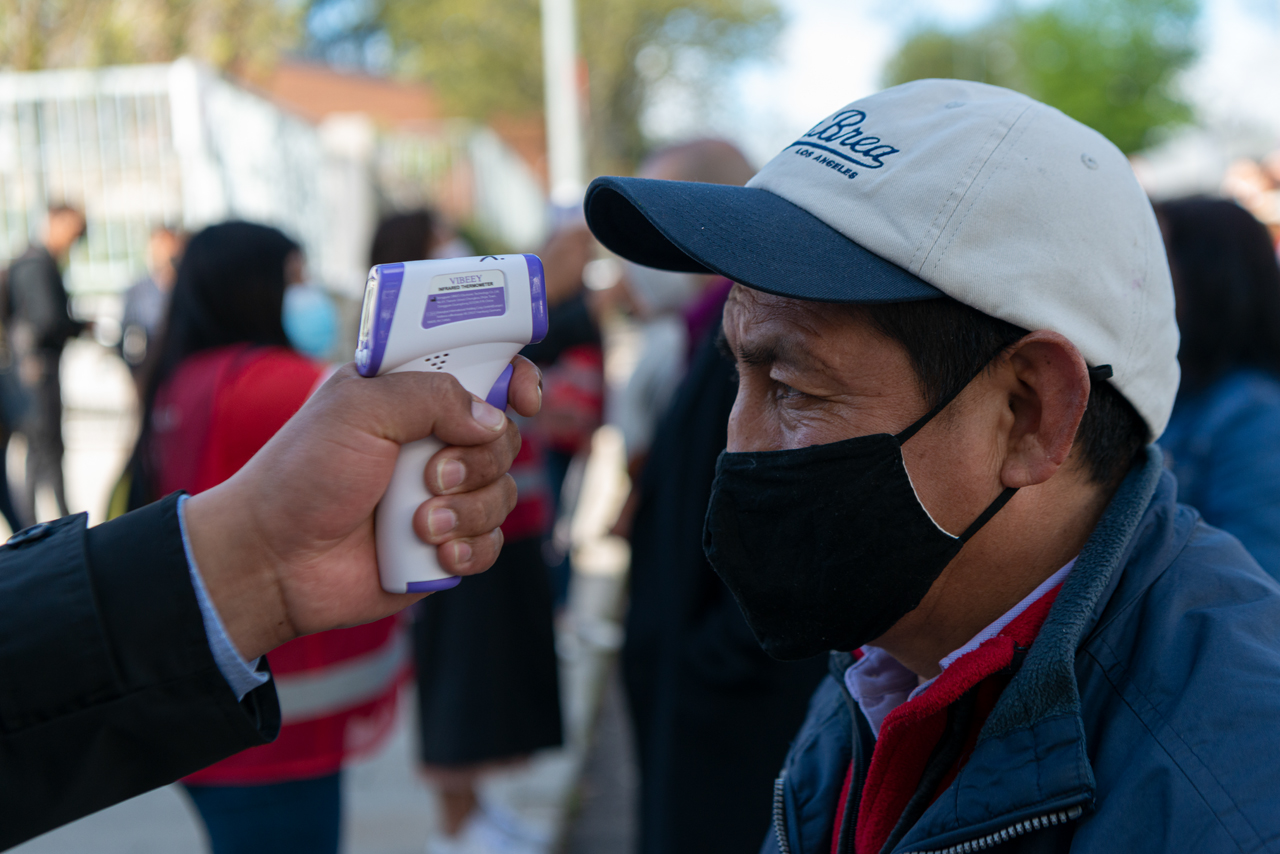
(488, 415)
(461, 552)
(498, 535)
(450, 474)
(441, 520)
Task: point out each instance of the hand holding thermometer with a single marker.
(463, 316)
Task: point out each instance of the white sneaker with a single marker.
(491, 829)
(463, 843)
(507, 832)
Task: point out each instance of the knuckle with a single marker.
(482, 467)
(510, 493)
(442, 387)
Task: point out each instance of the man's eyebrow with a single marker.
(759, 355)
(748, 355)
(765, 353)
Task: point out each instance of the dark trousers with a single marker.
(485, 654)
(297, 816)
(7, 508)
(12, 409)
(43, 429)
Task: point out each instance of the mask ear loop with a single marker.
(992, 509)
(1096, 374)
(932, 413)
(1001, 500)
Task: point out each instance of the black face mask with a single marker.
(827, 547)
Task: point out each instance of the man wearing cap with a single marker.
(955, 337)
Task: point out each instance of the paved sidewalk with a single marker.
(603, 818)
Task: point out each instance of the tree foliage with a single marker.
(242, 34)
(484, 57)
(1110, 64)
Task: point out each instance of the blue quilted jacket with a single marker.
(1145, 717)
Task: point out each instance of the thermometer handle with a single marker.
(405, 563)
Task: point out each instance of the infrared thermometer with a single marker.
(463, 316)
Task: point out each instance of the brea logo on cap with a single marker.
(851, 144)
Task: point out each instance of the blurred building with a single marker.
(313, 152)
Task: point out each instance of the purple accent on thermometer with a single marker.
(464, 305)
(390, 276)
(537, 298)
(432, 586)
(497, 396)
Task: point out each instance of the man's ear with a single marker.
(1048, 396)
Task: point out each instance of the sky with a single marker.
(831, 52)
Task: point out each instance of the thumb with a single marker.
(412, 405)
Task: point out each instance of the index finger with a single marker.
(525, 393)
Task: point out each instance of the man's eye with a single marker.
(782, 391)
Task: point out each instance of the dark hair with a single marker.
(1227, 284)
(229, 290)
(56, 208)
(950, 343)
(403, 237)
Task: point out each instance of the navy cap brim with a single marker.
(747, 235)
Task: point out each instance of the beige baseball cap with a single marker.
(930, 188)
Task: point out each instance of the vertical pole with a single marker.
(565, 160)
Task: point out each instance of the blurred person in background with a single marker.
(571, 358)
(147, 300)
(13, 405)
(227, 377)
(415, 235)
(310, 318)
(713, 714)
(484, 651)
(1223, 440)
(660, 299)
(1255, 185)
(38, 326)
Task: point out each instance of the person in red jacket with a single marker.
(225, 379)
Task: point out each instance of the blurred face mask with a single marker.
(661, 292)
(310, 320)
(827, 547)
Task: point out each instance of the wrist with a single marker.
(239, 574)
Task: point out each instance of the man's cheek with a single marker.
(752, 425)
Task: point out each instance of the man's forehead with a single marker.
(764, 327)
(753, 307)
(749, 308)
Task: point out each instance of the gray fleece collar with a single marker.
(1046, 683)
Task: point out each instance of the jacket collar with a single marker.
(1038, 715)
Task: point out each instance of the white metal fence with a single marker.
(102, 139)
(138, 146)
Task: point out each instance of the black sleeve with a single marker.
(107, 684)
(40, 298)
